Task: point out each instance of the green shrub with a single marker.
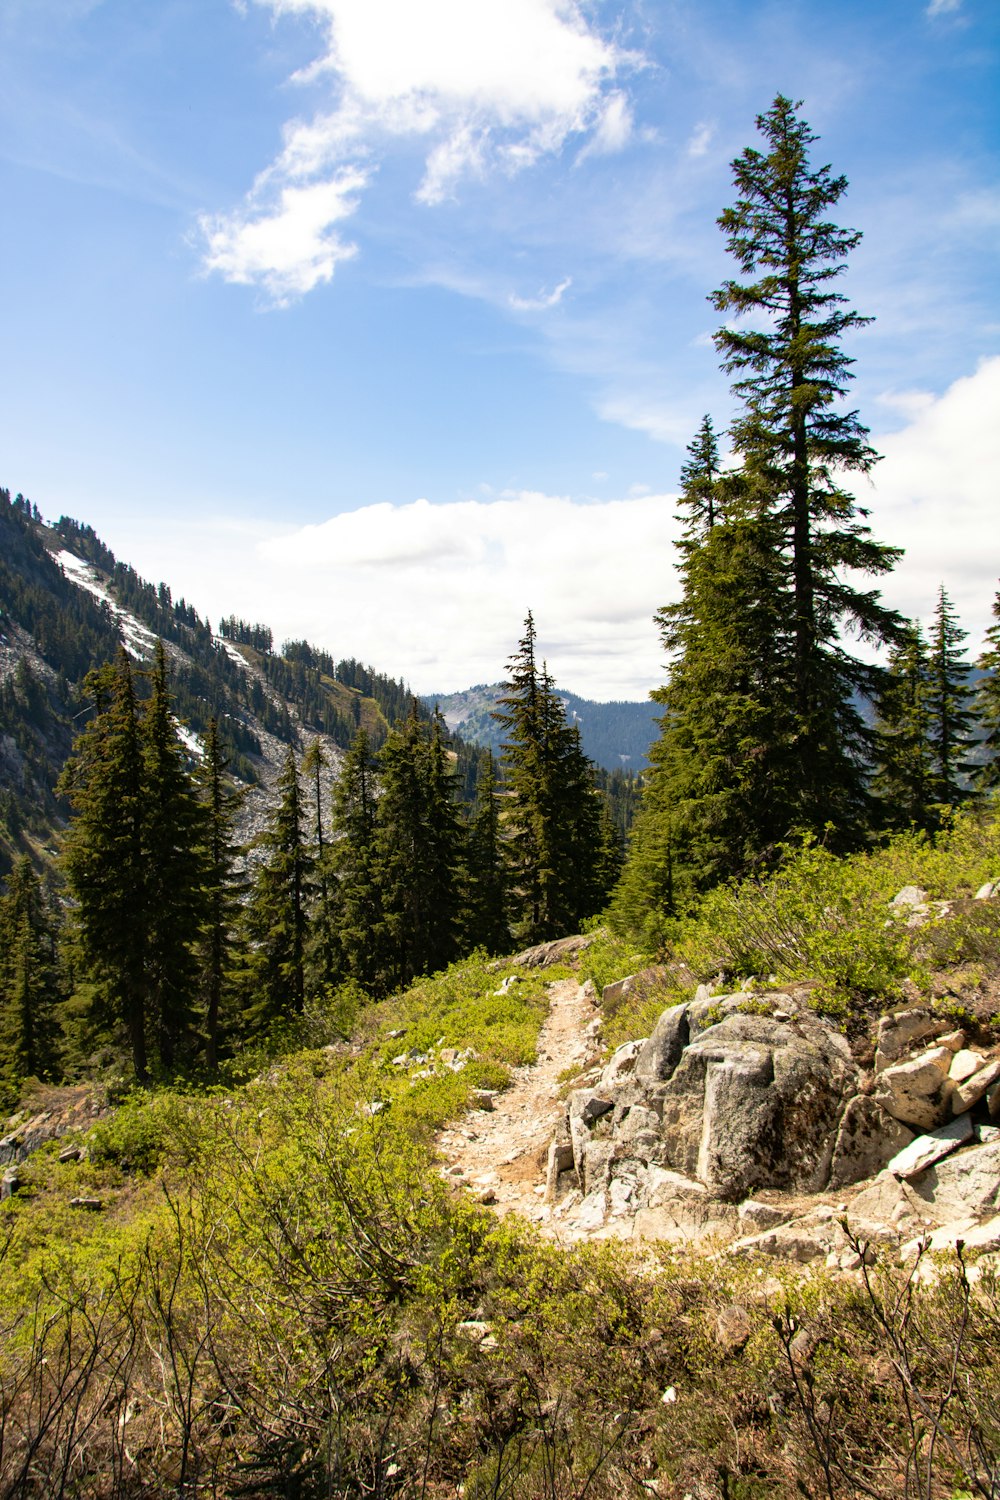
(135, 1137)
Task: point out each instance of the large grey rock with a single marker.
(898, 1033)
(918, 1091)
(973, 1089)
(925, 1150)
(622, 1062)
(647, 979)
(660, 1055)
(964, 1185)
(755, 1102)
(739, 1103)
(867, 1139)
(910, 895)
(554, 952)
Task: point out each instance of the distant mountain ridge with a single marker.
(615, 735)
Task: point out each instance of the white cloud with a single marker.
(701, 139)
(942, 8)
(437, 593)
(491, 85)
(290, 246)
(660, 420)
(543, 301)
(935, 493)
(613, 131)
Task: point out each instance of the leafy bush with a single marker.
(134, 1138)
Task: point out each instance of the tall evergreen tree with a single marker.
(797, 445)
(552, 835)
(949, 696)
(320, 956)
(105, 858)
(699, 482)
(486, 922)
(904, 782)
(417, 850)
(29, 982)
(988, 703)
(220, 912)
(133, 864)
(172, 841)
(355, 894)
(443, 860)
(275, 915)
(722, 768)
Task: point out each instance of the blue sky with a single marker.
(386, 320)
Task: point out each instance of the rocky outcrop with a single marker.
(72, 1107)
(732, 1094)
(745, 1093)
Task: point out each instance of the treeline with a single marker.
(245, 633)
(177, 952)
(763, 734)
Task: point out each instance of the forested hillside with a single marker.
(243, 1249)
(67, 605)
(209, 837)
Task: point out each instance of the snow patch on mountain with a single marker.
(137, 640)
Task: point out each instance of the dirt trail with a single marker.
(502, 1152)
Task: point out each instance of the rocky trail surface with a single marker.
(501, 1153)
(744, 1121)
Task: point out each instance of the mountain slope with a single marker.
(67, 605)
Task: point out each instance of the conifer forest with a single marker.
(285, 1297)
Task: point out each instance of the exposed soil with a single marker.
(500, 1154)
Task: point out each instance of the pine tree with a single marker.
(275, 915)
(321, 958)
(172, 842)
(796, 446)
(552, 834)
(486, 924)
(417, 850)
(988, 703)
(221, 888)
(700, 476)
(104, 857)
(355, 895)
(29, 982)
(722, 770)
(133, 864)
(904, 782)
(444, 850)
(949, 695)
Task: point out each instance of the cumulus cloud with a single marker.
(287, 245)
(437, 594)
(489, 85)
(934, 493)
